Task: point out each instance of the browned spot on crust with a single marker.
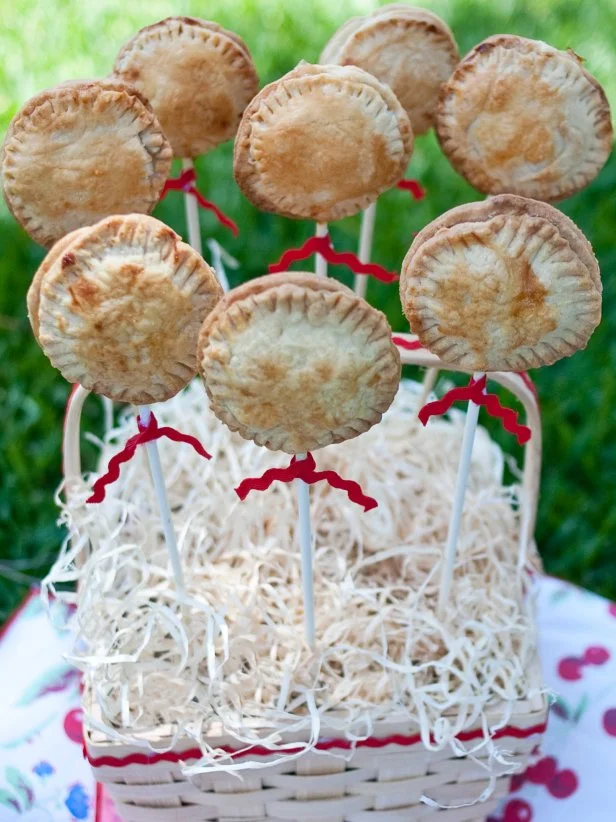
(68, 260)
(474, 309)
(131, 270)
(83, 292)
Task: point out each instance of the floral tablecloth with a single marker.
(44, 778)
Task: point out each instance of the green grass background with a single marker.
(43, 42)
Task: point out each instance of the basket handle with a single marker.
(71, 452)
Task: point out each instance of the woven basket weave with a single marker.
(381, 779)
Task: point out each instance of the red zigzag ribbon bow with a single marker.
(304, 469)
(147, 433)
(475, 392)
(324, 247)
(186, 182)
(417, 191)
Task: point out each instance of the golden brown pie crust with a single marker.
(521, 117)
(321, 143)
(504, 285)
(198, 77)
(79, 152)
(408, 48)
(120, 308)
(295, 362)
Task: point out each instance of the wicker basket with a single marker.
(381, 779)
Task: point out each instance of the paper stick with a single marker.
(365, 246)
(321, 262)
(163, 505)
(470, 426)
(108, 412)
(192, 214)
(305, 543)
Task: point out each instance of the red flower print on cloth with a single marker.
(609, 722)
(73, 725)
(559, 784)
(570, 667)
(516, 810)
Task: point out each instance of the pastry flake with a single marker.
(518, 116)
(321, 143)
(120, 308)
(79, 152)
(504, 285)
(295, 362)
(198, 77)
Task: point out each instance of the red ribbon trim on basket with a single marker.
(326, 745)
(475, 392)
(418, 192)
(324, 247)
(409, 345)
(186, 182)
(147, 433)
(304, 469)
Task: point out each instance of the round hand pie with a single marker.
(295, 362)
(321, 143)
(408, 48)
(79, 152)
(198, 77)
(503, 285)
(118, 307)
(521, 117)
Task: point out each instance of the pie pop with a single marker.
(413, 52)
(79, 152)
(198, 77)
(294, 363)
(518, 116)
(117, 308)
(501, 285)
(321, 143)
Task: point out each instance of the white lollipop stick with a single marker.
(163, 505)
(220, 257)
(192, 214)
(321, 262)
(365, 246)
(470, 426)
(429, 381)
(305, 542)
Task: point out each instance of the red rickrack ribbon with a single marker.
(304, 469)
(417, 191)
(409, 345)
(147, 433)
(186, 182)
(324, 247)
(475, 392)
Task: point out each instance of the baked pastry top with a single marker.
(198, 77)
(502, 285)
(321, 143)
(79, 152)
(518, 116)
(410, 49)
(295, 362)
(118, 308)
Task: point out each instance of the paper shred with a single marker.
(475, 392)
(323, 246)
(305, 469)
(186, 182)
(417, 191)
(147, 433)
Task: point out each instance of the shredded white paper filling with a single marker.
(233, 657)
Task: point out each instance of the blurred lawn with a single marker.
(43, 43)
